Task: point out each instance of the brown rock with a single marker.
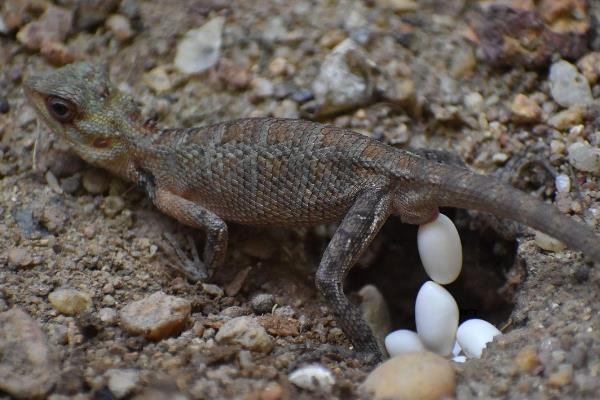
(278, 325)
(590, 66)
(27, 368)
(247, 332)
(157, 316)
(525, 109)
(562, 377)
(527, 359)
(567, 118)
(19, 256)
(53, 26)
(70, 301)
(411, 376)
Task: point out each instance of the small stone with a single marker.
(159, 79)
(156, 316)
(96, 181)
(112, 206)
(57, 53)
(70, 301)
(107, 315)
(4, 105)
(463, 62)
(121, 382)
(273, 391)
(527, 359)
(415, 376)
(213, 290)
(567, 118)
(315, 378)
(562, 377)
(52, 27)
(262, 303)
(27, 368)
(281, 67)
(376, 312)
(234, 76)
(286, 109)
(567, 86)
(525, 109)
(399, 6)
(344, 80)
(90, 14)
(247, 332)
(548, 243)
(474, 102)
(120, 26)
(584, 157)
(19, 256)
(262, 88)
(200, 48)
(590, 66)
(279, 325)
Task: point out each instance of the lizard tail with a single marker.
(462, 188)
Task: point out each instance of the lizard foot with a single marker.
(192, 268)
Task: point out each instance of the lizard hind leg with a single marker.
(356, 231)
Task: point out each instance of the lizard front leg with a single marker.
(356, 231)
(193, 215)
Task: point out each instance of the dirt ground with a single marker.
(65, 224)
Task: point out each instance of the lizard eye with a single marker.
(60, 109)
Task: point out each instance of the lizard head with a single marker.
(79, 104)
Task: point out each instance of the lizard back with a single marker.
(264, 171)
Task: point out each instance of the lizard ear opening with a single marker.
(60, 109)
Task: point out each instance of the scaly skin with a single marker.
(278, 172)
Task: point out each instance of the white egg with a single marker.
(403, 341)
(440, 249)
(472, 336)
(436, 317)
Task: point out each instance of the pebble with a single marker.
(403, 341)
(90, 14)
(414, 376)
(157, 316)
(589, 65)
(4, 105)
(262, 88)
(567, 86)
(27, 368)
(158, 79)
(70, 301)
(474, 102)
(120, 26)
(107, 315)
(562, 377)
(375, 311)
(19, 256)
(567, 118)
(247, 332)
(200, 48)
(95, 181)
(52, 27)
(436, 317)
(584, 157)
(212, 290)
(440, 249)
(112, 206)
(527, 359)
(340, 86)
(562, 183)
(525, 109)
(121, 382)
(548, 243)
(262, 303)
(473, 335)
(315, 378)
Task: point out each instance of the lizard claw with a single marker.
(192, 268)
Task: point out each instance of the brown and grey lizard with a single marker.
(278, 172)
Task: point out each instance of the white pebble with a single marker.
(562, 183)
(403, 341)
(440, 249)
(474, 334)
(436, 317)
(459, 359)
(315, 378)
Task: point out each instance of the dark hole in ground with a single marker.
(395, 268)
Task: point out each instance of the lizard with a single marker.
(278, 173)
